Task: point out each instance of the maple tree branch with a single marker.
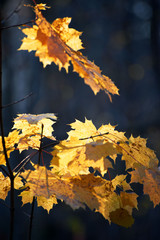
(31, 218)
(15, 102)
(16, 10)
(11, 176)
(98, 135)
(18, 25)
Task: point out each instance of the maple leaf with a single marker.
(5, 185)
(86, 147)
(46, 203)
(150, 178)
(136, 153)
(58, 43)
(78, 191)
(123, 215)
(31, 129)
(10, 141)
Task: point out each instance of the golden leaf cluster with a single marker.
(60, 44)
(69, 178)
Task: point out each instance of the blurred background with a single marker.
(123, 38)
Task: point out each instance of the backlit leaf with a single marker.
(58, 43)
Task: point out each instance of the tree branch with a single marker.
(11, 176)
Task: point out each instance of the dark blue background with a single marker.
(123, 38)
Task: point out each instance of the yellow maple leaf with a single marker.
(5, 185)
(31, 128)
(136, 153)
(46, 203)
(10, 141)
(58, 43)
(86, 147)
(150, 178)
(78, 191)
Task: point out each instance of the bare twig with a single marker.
(11, 176)
(10, 104)
(18, 25)
(31, 218)
(16, 10)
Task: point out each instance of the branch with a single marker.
(11, 176)
(10, 104)
(17, 9)
(18, 25)
(31, 218)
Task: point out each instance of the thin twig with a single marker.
(17, 9)
(15, 102)
(28, 158)
(18, 25)
(11, 176)
(31, 219)
(40, 148)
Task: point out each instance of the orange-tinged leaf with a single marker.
(58, 43)
(69, 35)
(78, 191)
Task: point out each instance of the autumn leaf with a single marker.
(46, 203)
(5, 185)
(86, 147)
(58, 43)
(136, 153)
(31, 129)
(78, 191)
(123, 215)
(10, 141)
(150, 178)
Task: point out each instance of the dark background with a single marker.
(123, 38)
